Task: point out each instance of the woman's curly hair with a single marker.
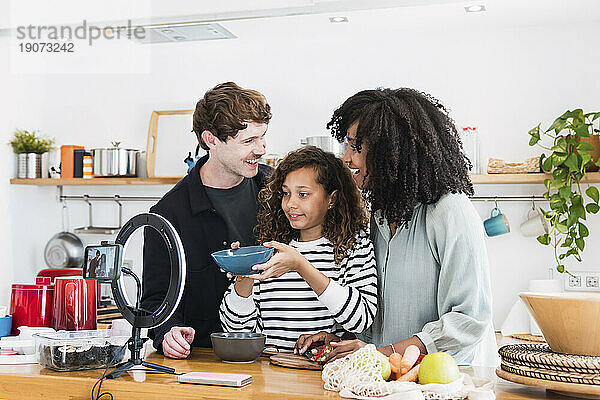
(342, 222)
(414, 154)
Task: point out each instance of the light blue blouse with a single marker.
(434, 282)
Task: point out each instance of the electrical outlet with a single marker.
(583, 281)
(574, 281)
(591, 281)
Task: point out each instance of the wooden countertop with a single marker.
(269, 382)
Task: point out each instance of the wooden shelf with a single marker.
(591, 177)
(477, 179)
(162, 180)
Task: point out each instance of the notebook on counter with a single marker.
(211, 378)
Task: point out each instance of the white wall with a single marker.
(502, 77)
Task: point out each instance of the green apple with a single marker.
(386, 367)
(438, 368)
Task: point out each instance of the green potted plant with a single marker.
(569, 161)
(29, 149)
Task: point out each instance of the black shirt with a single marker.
(237, 206)
(202, 231)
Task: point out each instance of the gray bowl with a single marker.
(238, 346)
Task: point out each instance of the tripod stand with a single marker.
(135, 344)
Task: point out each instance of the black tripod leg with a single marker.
(157, 367)
(126, 366)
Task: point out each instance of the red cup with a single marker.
(31, 305)
(74, 304)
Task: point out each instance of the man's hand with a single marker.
(320, 339)
(234, 245)
(177, 342)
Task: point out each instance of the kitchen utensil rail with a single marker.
(86, 198)
(109, 198)
(522, 198)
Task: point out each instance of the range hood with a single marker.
(186, 20)
(205, 26)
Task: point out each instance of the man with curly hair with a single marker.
(433, 272)
(213, 206)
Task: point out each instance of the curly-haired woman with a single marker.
(324, 277)
(434, 287)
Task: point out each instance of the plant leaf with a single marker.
(547, 164)
(535, 135)
(559, 158)
(582, 130)
(580, 243)
(558, 183)
(592, 208)
(560, 268)
(559, 123)
(585, 146)
(572, 162)
(585, 159)
(562, 228)
(565, 192)
(544, 239)
(592, 193)
(583, 230)
(547, 183)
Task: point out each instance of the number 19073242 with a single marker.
(44, 47)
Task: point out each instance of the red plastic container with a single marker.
(74, 304)
(31, 305)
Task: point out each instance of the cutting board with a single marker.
(295, 361)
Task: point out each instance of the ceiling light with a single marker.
(475, 8)
(338, 19)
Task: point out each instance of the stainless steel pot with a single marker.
(114, 161)
(327, 143)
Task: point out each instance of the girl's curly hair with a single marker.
(342, 222)
(414, 154)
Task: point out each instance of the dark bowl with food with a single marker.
(238, 346)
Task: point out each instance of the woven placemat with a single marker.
(534, 355)
(549, 375)
(529, 338)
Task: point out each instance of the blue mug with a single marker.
(496, 224)
(5, 325)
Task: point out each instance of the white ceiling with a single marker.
(274, 15)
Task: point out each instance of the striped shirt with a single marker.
(284, 308)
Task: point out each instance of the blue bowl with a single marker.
(240, 261)
(5, 325)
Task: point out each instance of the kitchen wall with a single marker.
(499, 75)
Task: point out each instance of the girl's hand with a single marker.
(343, 348)
(285, 259)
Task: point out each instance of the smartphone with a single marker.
(211, 378)
(103, 263)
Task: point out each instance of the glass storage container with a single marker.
(77, 350)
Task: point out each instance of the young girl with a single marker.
(325, 278)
